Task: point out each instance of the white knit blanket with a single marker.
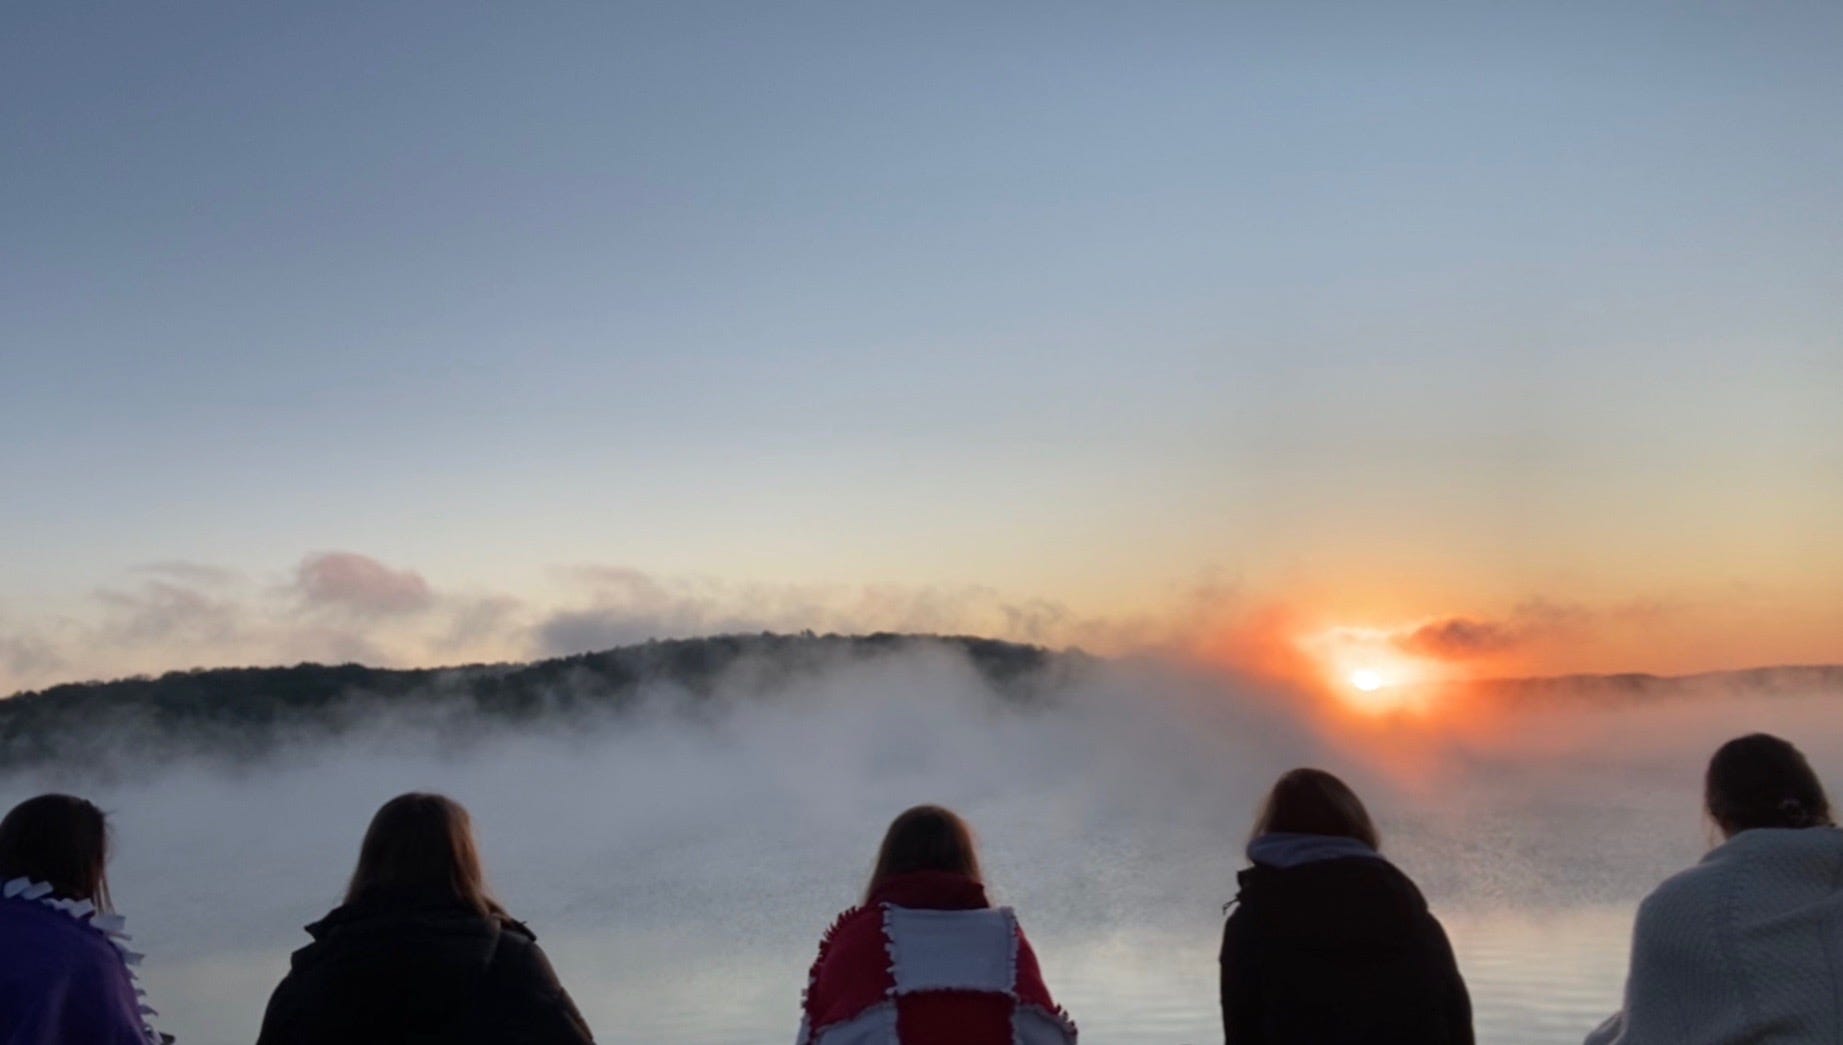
(1747, 946)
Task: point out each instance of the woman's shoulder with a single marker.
(1686, 900)
(854, 929)
(353, 933)
(1371, 878)
(510, 928)
(1815, 849)
(438, 915)
(851, 971)
(1331, 903)
(64, 949)
(1752, 864)
(51, 936)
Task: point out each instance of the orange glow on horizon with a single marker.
(1366, 672)
(1358, 677)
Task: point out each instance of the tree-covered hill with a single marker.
(1785, 681)
(245, 712)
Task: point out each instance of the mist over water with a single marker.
(679, 863)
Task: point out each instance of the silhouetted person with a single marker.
(420, 951)
(1748, 944)
(1329, 943)
(927, 960)
(64, 978)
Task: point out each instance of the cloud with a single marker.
(347, 606)
(360, 584)
(485, 620)
(344, 605)
(1459, 638)
(194, 574)
(26, 657)
(336, 607)
(165, 612)
(1470, 638)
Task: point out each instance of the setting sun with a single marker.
(1365, 669)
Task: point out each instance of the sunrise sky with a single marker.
(1506, 335)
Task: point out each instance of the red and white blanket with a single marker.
(928, 962)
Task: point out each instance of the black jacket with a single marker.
(1338, 952)
(410, 970)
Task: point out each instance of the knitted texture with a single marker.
(1747, 946)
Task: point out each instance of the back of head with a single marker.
(1760, 780)
(422, 845)
(1313, 802)
(925, 838)
(60, 839)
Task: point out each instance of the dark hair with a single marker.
(1313, 802)
(1760, 780)
(925, 838)
(422, 844)
(60, 839)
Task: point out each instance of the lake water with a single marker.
(1534, 981)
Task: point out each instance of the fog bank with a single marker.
(680, 860)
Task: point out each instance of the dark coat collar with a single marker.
(407, 905)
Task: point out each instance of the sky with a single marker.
(1507, 336)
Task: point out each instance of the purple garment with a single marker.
(61, 981)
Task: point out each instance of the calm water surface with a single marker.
(1536, 978)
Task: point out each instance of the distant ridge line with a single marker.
(245, 713)
(1763, 680)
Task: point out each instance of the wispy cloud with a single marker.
(165, 611)
(360, 584)
(24, 657)
(1471, 638)
(346, 605)
(193, 573)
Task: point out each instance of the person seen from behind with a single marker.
(420, 951)
(927, 960)
(1748, 944)
(1329, 942)
(65, 966)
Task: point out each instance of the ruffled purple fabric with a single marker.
(64, 981)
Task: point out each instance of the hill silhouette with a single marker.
(244, 713)
(1783, 681)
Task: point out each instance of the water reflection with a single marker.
(1536, 978)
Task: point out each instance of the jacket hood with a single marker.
(1283, 849)
(1334, 902)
